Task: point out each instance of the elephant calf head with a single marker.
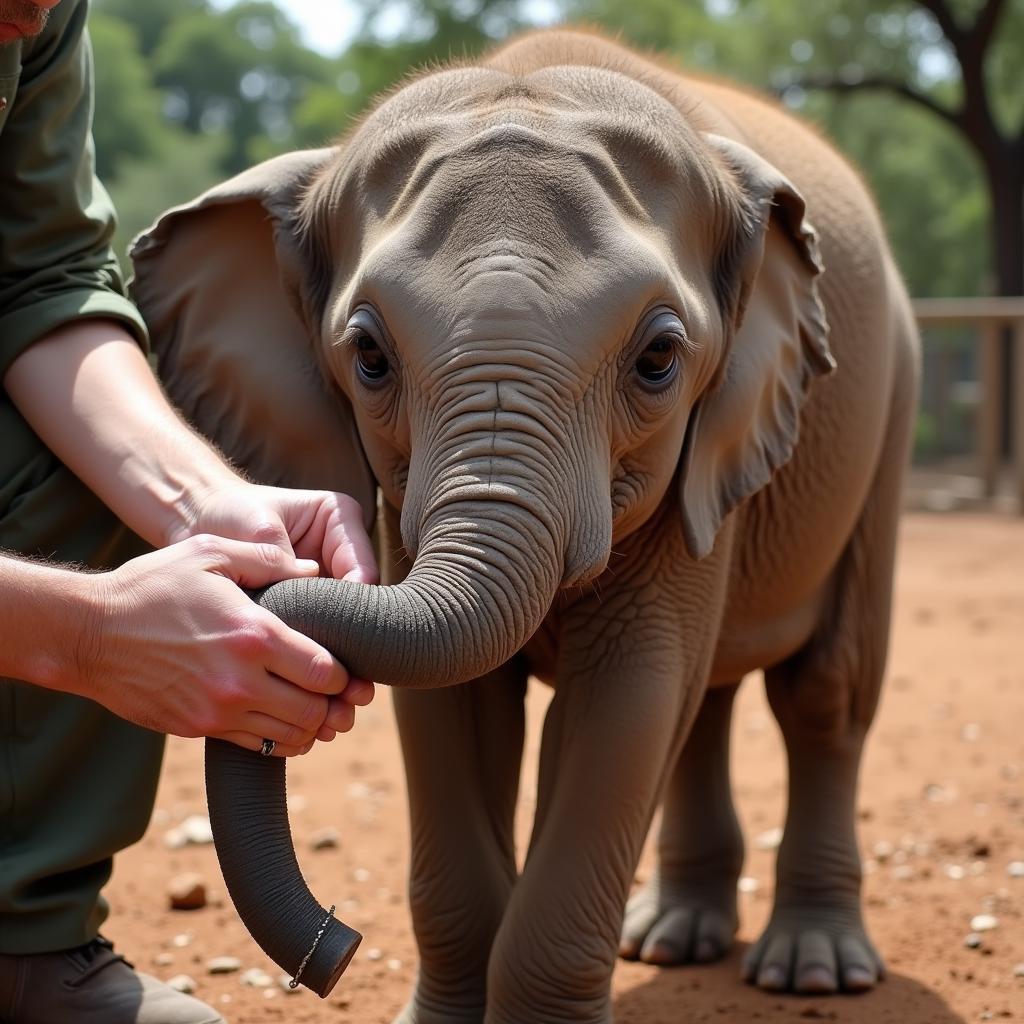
(516, 303)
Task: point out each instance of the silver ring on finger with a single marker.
(268, 747)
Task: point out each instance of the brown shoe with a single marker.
(91, 985)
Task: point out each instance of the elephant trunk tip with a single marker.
(248, 814)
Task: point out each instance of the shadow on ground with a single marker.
(688, 995)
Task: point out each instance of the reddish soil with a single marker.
(941, 809)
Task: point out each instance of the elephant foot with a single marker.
(670, 923)
(814, 950)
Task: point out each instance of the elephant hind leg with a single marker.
(687, 912)
(824, 698)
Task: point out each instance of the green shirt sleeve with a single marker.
(56, 219)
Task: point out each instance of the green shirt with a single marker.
(56, 265)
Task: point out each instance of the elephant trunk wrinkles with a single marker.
(479, 589)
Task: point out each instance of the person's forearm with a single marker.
(47, 624)
(88, 392)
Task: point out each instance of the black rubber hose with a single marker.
(249, 816)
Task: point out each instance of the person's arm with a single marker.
(71, 360)
(88, 392)
(170, 642)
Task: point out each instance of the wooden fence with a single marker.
(989, 318)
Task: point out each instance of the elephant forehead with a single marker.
(506, 285)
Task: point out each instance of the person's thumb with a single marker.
(258, 565)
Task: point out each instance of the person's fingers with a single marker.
(280, 700)
(250, 565)
(347, 548)
(296, 658)
(341, 715)
(266, 726)
(255, 743)
(359, 692)
(265, 528)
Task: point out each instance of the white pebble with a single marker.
(973, 941)
(1015, 869)
(182, 983)
(163, 960)
(1018, 971)
(955, 871)
(175, 839)
(984, 922)
(882, 850)
(769, 840)
(196, 829)
(255, 978)
(181, 940)
(223, 965)
(394, 964)
(748, 884)
(361, 875)
(970, 732)
(374, 954)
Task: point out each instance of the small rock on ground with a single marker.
(256, 978)
(223, 965)
(325, 839)
(182, 983)
(187, 892)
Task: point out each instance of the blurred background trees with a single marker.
(925, 97)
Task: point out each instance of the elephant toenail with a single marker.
(858, 979)
(662, 952)
(816, 979)
(772, 977)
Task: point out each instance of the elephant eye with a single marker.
(371, 361)
(657, 363)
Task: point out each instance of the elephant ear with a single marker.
(746, 426)
(218, 281)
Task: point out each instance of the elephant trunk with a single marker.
(484, 578)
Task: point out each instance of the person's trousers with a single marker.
(77, 783)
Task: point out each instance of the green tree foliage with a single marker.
(241, 72)
(150, 19)
(129, 120)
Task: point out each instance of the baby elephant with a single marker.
(627, 358)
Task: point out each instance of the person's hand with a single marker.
(319, 525)
(175, 645)
(322, 526)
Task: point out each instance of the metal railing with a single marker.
(990, 318)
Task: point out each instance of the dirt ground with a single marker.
(941, 821)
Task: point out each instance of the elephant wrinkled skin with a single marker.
(565, 307)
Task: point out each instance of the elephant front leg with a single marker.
(462, 748)
(687, 911)
(609, 739)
